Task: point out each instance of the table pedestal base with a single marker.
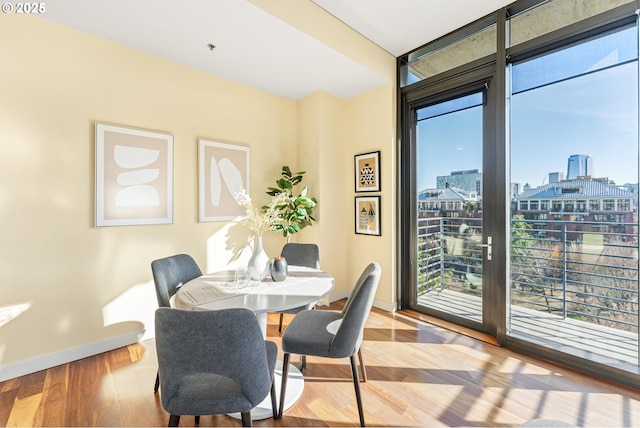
(295, 386)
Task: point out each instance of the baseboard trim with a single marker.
(385, 306)
(68, 355)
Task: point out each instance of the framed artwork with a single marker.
(367, 215)
(367, 171)
(223, 170)
(134, 176)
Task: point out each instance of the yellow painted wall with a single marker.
(331, 133)
(372, 124)
(67, 284)
(322, 150)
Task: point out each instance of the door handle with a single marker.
(488, 247)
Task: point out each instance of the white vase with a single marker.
(259, 262)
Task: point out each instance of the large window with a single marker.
(574, 133)
(546, 258)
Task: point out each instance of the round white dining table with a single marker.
(302, 287)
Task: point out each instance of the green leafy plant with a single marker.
(296, 212)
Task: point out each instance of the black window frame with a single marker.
(406, 94)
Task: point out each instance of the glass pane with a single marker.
(574, 155)
(552, 15)
(582, 58)
(449, 158)
(434, 59)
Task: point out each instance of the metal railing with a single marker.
(581, 270)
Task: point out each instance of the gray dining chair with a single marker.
(213, 362)
(169, 274)
(333, 334)
(299, 254)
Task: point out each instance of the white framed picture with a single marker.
(223, 170)
(133, 176)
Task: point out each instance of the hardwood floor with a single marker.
(419, 374)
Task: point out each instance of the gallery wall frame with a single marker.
(223, 171)
(133, 176)
(367, 215)
(367, 172)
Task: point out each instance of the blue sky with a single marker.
(592, 114)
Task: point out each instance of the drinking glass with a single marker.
(241, 277)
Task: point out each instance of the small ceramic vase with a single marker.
(279, 268)
(259, 262)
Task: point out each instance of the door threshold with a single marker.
(484, 337)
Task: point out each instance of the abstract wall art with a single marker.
(367, 172)
(134, 176)
(223, 171)
(367, 215)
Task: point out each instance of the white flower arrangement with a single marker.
(259, 220)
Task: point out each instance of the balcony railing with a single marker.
(580, 270)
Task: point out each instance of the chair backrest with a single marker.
(307, 255)
(170, 273)
(354, 315)
(226, 342)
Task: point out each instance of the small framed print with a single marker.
(367, 172)
(134, 176)
(223, 171)
(367, 212)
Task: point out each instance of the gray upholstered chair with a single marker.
(169, 274)
(213, 362)
(333, 334)
(301, 255)
(307, 255)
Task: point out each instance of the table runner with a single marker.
(215, 289)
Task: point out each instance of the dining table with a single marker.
(302, 287)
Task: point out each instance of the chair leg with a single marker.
(197, 420)
(174, 420)
(364, 370)
(283, 388)
(356, 384)
(303, 362)
(274, 406)
(157, 385)
(280, 325)
(246, 419)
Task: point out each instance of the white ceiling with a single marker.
(260, 50)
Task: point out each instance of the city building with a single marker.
(579, 166)
(469, 181)
(448, 202)
(556, 177)
(585, 204)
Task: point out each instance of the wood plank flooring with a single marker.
(419, 374)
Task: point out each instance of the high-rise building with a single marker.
(579, 166)
(469, 180)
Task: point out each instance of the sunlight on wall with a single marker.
(138, 303)
(7, 313)
(228, 248)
